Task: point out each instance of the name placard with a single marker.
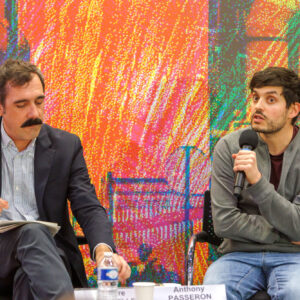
(126, 294)
(91, 294)
(194, 292)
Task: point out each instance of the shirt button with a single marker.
(17, 188)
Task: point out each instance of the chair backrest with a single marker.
(207, 235)
(81, 240)
(208, 226)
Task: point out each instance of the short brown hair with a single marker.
(18, 72)
(279, 76)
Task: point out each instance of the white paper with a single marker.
(8, 225)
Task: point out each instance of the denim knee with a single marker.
(290, 291)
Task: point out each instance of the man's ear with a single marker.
(294, 110)
(1, 110)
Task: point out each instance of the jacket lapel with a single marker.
(43, 160)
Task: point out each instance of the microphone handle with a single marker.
(239, 183)
(240, 177)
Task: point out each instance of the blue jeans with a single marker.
(245, 273)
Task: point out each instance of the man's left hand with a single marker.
(123, 267)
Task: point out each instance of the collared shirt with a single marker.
(18, 180)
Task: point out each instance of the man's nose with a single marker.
(258, 105)
(33, 112)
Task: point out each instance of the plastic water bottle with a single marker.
(107, 278)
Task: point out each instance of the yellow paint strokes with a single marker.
(63, 17)
(122, 106)
(192, 95)
(155, 107)
(147, 65)
(201, 259)
(95, 75)
(200, 124)
(200, 121)
(273, 51)
(38, 51)
(95, 9)
(174, 31)
(132, 95)
(117, 78)
(291, 4)
(149, 82)
(161, 103)
(87, 52)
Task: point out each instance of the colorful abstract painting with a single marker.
(150, 86)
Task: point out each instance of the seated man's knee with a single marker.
(34, 232)
(35, 228)
(215, 274)
(290, 291)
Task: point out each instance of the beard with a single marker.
(272, 126)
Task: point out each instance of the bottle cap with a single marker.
(108, 254)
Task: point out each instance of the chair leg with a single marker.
(189, 268)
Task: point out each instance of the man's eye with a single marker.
(271, 100)
(20, 105)
(39, 102)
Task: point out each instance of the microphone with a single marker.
(248, 141)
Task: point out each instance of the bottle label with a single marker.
(108, 274)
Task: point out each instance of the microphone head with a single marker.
(248, 138)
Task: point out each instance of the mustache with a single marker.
(31, 122)
(258, 113)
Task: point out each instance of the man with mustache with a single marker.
(41, 168)
(261, 230)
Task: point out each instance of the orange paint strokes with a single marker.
(267, 19)
(2, 14)
(4, 27)
(140, 46)
(130, 78)
(265, 53)
(262, 54)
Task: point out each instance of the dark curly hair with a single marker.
(279, 76)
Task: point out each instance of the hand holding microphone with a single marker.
(245, 161)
